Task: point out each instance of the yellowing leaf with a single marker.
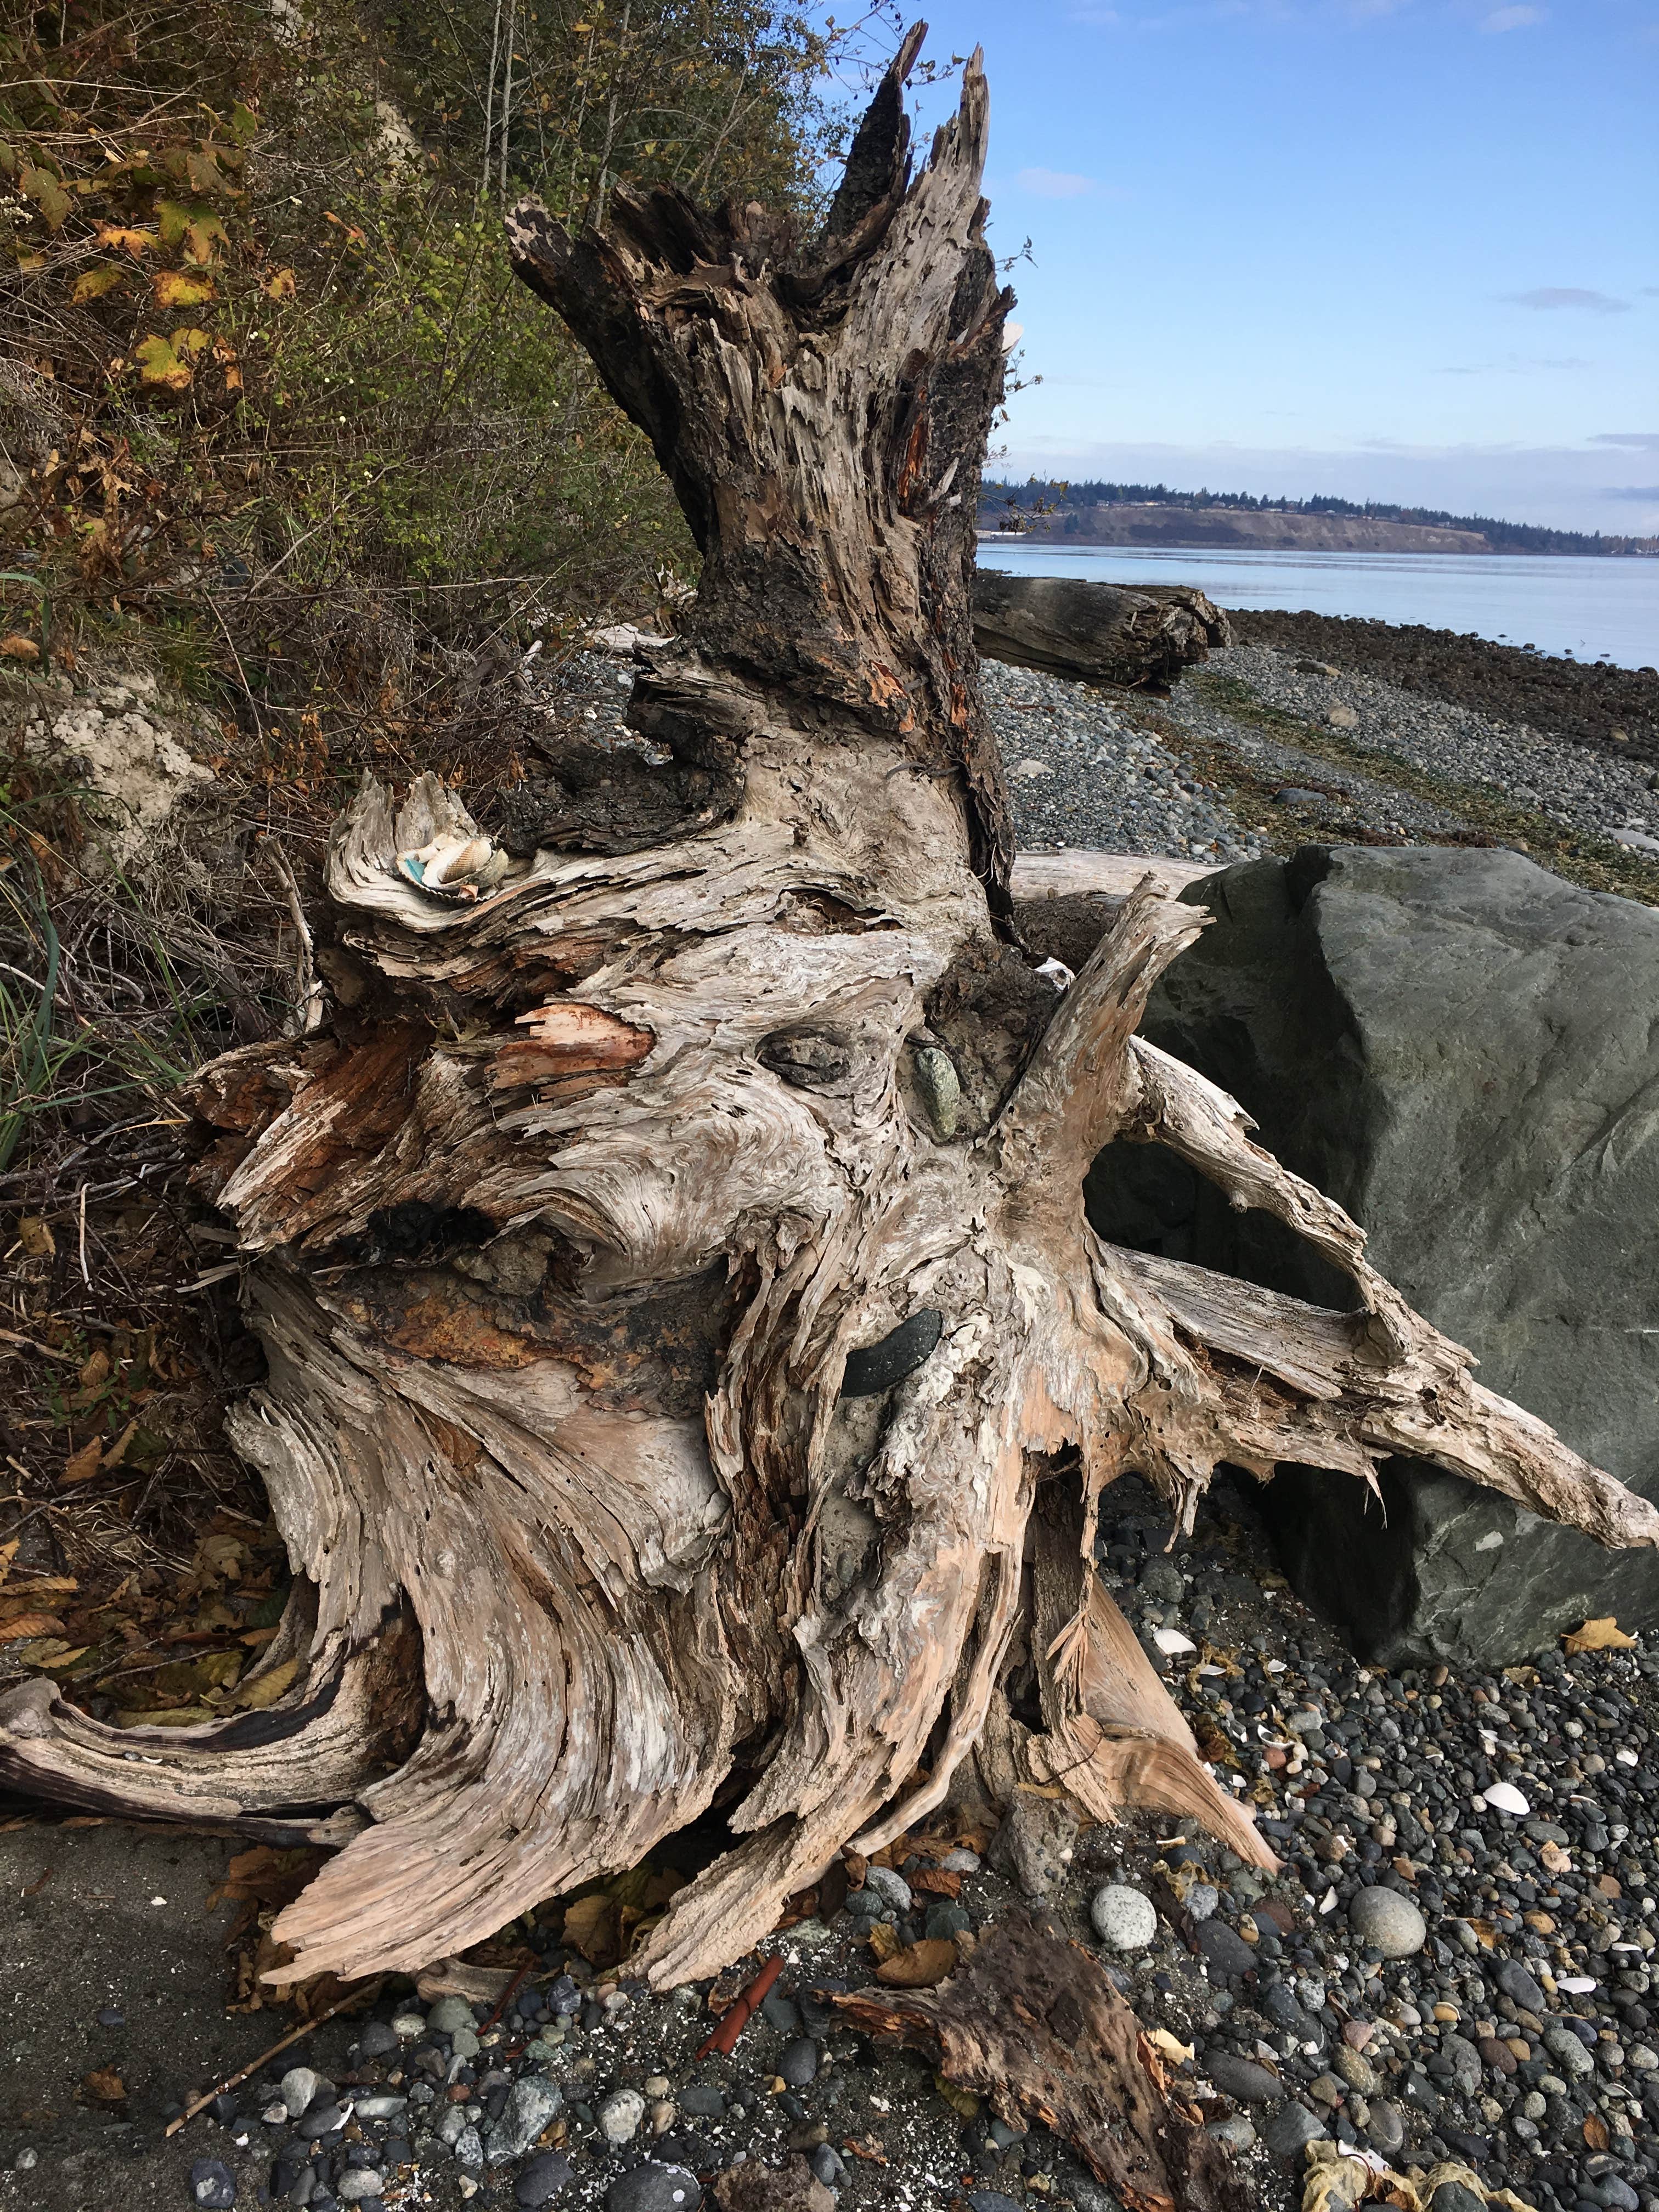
(959, 2099)
(266, 1688)
(34, 1235)
(1598, 1636)
(175, 289)
(133, 242)
(93, 284)
(167, 361)
(202, 235)
(48, 195)
(883, 1941)
(281, 285)
(172, 222)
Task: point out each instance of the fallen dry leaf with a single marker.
(883, 1941)
(592, 1925)
(937, 1881)
(921, 1965)
(34, 1235)
(1595, 2132)
(15, 648)
(1168, 2045)
(82, 1466)
(1598, 1636)
(104, 2086)
(264, 1689)
(24, 1624)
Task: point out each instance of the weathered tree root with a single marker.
(1031, 2023)
(650, 1323)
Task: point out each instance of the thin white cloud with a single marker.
(1517, 365)
(1547, 297)
(1514, 19)
(1584, 487)
(1054, 184)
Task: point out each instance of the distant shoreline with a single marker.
(1132, 527)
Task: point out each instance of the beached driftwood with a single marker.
(1137, 638)
(670, 1250)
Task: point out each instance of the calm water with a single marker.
(1591, 608)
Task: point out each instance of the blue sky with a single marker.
(1398, 249)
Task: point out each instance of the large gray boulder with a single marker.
(1102, 633)
(1464, 1051)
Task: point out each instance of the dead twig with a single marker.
(365, 1996)
(308, 1011)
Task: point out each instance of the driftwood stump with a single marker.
(669, 1252)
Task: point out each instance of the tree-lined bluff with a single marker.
(1104, 513)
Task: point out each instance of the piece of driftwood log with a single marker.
(669, 1252)
(1105, 633)
(1031, 2024)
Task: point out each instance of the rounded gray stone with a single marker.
(1385, 1921)
(1125, 1919)
(890, 1885)
(299, 2090)
(653, 2188)
(542, 2179)
(1242, 2079)
(1224, 1950)
(449, 2014)
(620, 2115)
(799, 2063)
(1292, 2129)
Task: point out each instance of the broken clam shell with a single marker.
(455, 867)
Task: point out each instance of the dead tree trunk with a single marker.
(670, 1254)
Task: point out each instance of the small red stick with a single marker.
(508, 1996)
(733, 2022)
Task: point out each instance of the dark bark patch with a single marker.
(876, 1367)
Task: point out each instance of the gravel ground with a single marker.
(1194, 777)
(1584, 703)
(1083, 768)
(1442, 1970)
(1582, 788)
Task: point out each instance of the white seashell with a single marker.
(455, 867)
(1171, 1642)
(1505, 1797)
(1628, 1758)
(1575, 1985)
(454, 864)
